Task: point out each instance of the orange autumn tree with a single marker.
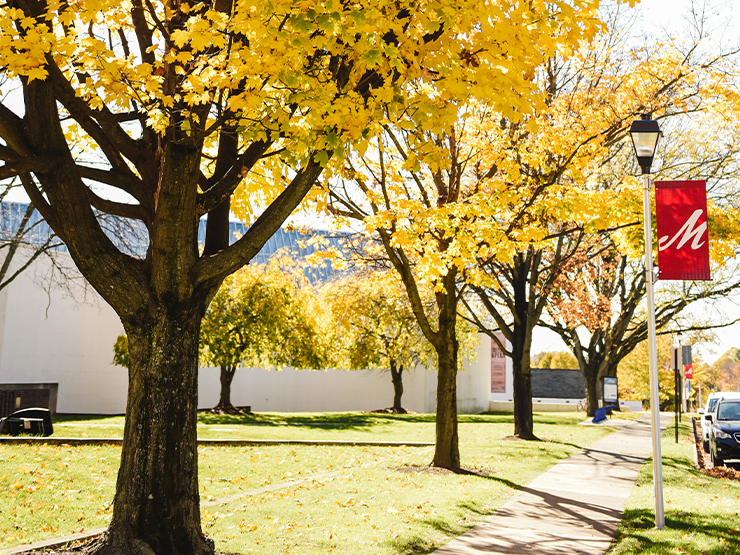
(163, 113)
(597, 303)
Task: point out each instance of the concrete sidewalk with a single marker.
(574, 508)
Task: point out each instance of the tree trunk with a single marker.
(446, 450)
(523, 417)
(397, 377)
(521, 346)
(157, 504)
(227, 377)
(591, 381)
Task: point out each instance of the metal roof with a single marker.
(131, 237)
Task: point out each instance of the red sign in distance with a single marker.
(683, 235)
(688, 370)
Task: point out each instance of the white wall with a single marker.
(339, 390)
(57, 339)
(60, 340)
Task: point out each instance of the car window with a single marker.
(712, 403)
(728, 411)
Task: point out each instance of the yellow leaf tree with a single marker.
(419, 187)
(165, 112)
(375, 327)
(263, 316)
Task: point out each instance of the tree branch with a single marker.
(227, 261)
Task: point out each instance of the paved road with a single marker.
(574, 508)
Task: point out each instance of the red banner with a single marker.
(683, 237)
(688, 371)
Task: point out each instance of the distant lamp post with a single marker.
(645, 134)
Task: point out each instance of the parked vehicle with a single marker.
(711, 408)
(724, 437)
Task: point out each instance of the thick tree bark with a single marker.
(157, 504)
(397, 378)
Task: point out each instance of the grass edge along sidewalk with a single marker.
(702, 512)
(391, 507)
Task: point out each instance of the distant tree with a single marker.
(562, 359)
(554, 359)
(375, 327)
(542, 360)
(633, 374)
(261, 316)
(725, 375)
(120, 351)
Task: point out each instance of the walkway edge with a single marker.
(56, 542)
(218, 442)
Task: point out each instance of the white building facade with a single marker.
(52, 338)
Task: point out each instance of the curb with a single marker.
(221, 442)
(56, 542)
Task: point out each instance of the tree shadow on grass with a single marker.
(696, 531)
(62, 418)
(418, 544)
(338, 421)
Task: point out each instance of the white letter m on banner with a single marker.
(686, 233)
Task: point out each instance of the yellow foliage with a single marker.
(319, 73)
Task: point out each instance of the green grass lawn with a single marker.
(274, 425)
(347, 499)
(702, 513)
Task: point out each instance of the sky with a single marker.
(655, 17)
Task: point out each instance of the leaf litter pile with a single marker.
(704, 461)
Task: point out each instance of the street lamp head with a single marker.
(645, 133)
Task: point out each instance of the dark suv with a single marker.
(724, 437)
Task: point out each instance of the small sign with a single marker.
(610, 390)
(688, 370)
(498, 365)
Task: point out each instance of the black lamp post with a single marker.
(645, 134)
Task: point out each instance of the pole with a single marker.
(680, 395)
(675, 403)
(699, 405)
(653, 352)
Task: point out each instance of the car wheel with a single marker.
(716, 461)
